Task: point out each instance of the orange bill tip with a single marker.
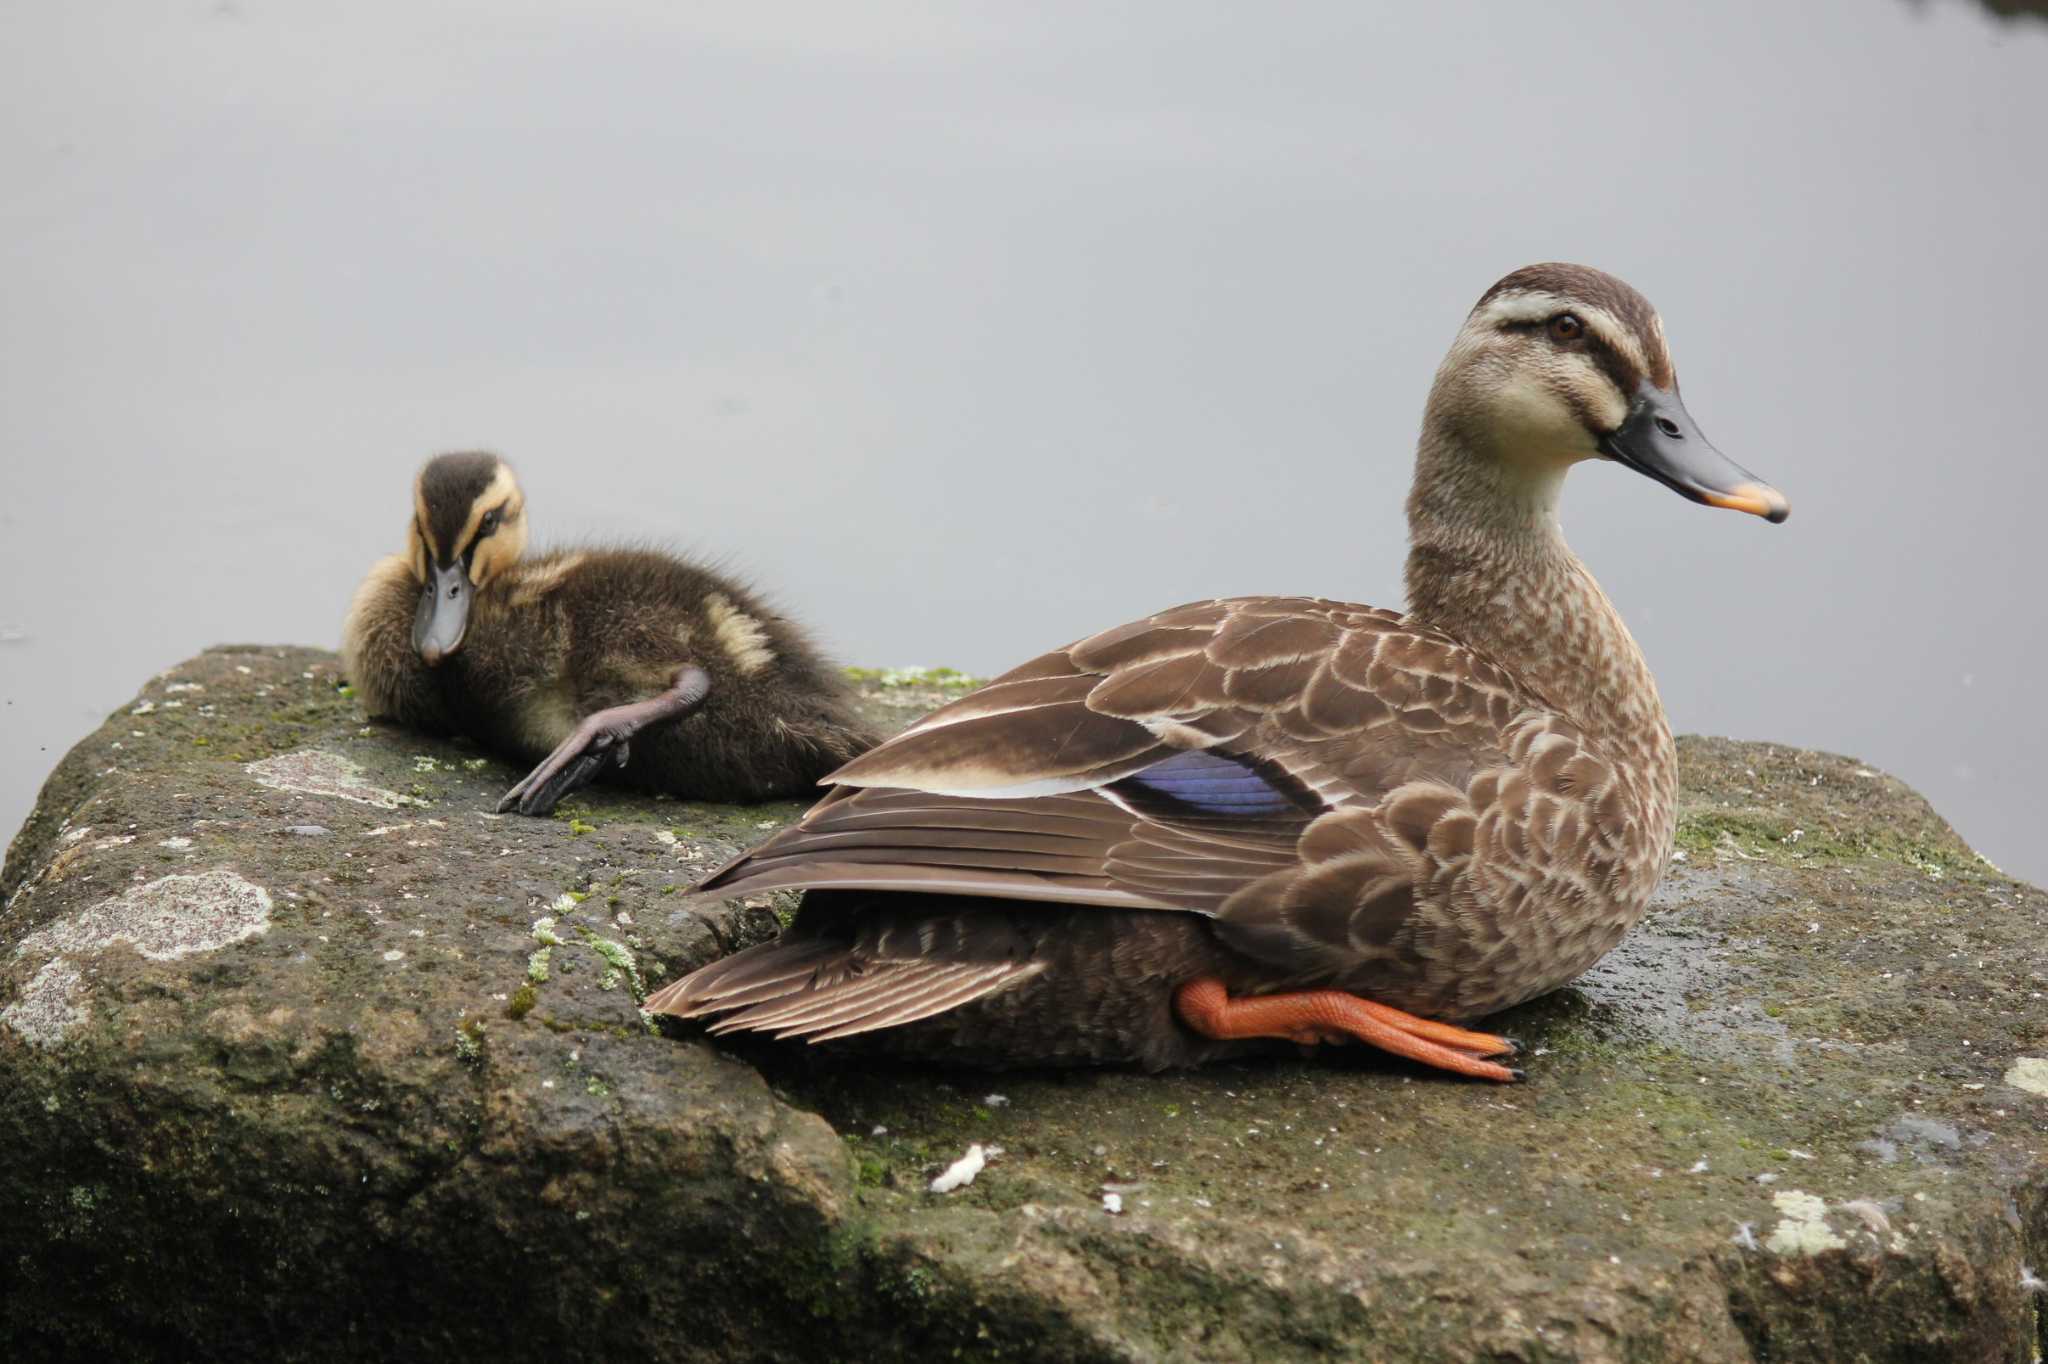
(1758, 499)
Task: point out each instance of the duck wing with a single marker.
(1172, 763)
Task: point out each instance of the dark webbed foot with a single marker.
(601, 740)
(571, 767)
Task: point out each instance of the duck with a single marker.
(629, 665)
(1251, 823)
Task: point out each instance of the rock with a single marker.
(385, 1093)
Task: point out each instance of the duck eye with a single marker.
(490, 523)
(1566, 327)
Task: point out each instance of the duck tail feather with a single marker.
(768, 971)
(824, 990)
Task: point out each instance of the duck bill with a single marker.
(442, 618)
(1660, 439)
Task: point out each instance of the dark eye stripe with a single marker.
(1589, 339)
(1612, 361)
(487, 526)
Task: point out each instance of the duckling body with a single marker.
(551, 641)
(1259, 821)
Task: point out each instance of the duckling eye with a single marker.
(490, 523)
(1566, 327)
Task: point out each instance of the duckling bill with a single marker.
(1256, 822)
(631, 665)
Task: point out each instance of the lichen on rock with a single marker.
(1803, 1226)
(48, 1007)
(2029, 1073)
(317, 772)
(168, 918)
(164, 920)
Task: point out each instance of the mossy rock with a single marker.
(305, 1054)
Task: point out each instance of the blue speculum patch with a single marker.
(1214, 785)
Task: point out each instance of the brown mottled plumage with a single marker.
(1279, 818)
(548, 646)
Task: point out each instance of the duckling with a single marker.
(1265, 821)
(633, 665)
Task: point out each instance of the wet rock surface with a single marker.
(305, 1054)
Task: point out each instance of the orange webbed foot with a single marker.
(1313, 1016)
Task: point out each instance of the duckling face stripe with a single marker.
(452, 496)
(498, 552)
(501, 494)
(424, 550)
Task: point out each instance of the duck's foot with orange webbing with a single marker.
(1312, 1016)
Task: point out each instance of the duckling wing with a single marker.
(1165, 764)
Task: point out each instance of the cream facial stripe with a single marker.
(1536, 305)
(423, 524)
(739, 634)
(1663, 350)
(500, 492)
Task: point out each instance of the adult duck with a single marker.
(1291, 820)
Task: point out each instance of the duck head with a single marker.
(468, 527)
(1561, 363)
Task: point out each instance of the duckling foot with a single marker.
(1312, 1016)
(602, 741)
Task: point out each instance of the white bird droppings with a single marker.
(1113, 1204)
(962, 1171)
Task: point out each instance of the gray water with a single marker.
(968, 329)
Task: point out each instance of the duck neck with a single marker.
(1488, 564)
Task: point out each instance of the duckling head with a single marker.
(1561, 363)
(468, 527)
